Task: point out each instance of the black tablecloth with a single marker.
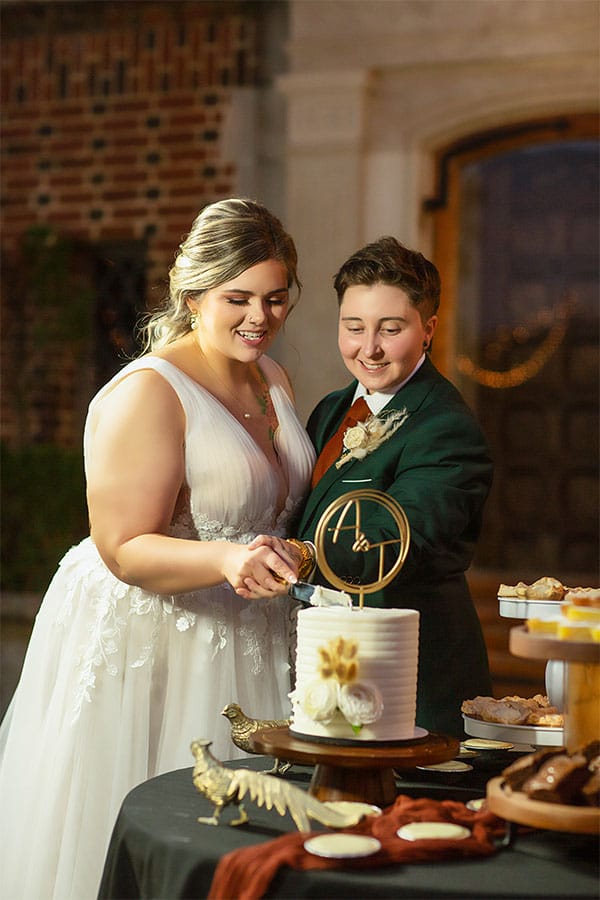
(159, 851)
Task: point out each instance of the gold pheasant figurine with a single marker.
(222, 787)
(243, 726)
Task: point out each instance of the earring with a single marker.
(193, 321)
(425, 345)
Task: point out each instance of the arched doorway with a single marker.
(516, 240)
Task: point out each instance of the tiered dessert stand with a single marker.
(534, 735)
(351, 770)
(581, 725)
(582, 680)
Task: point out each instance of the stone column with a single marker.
(325, 215)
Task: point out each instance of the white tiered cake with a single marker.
(356, 674)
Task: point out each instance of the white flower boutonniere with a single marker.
(364, 437)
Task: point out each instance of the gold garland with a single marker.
(522, 372)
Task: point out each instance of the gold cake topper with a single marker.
(352, 503)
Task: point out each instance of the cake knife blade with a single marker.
(317, 595)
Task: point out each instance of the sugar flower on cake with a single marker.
(319, 700)
(360, 703)
(364, 437)
(338, 659)
(337, 690)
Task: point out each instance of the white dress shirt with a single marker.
(379, 399)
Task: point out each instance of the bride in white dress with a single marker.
(195, 461)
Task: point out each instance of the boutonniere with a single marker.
(364, 437)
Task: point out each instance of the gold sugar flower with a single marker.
(338, 660)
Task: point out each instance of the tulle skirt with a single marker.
(116, 684)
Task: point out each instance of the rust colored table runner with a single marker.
(247, 873)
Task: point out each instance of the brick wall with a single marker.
(112, 131)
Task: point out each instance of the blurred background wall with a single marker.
(466, 128)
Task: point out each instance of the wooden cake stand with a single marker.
(352, 772)
(582, 660)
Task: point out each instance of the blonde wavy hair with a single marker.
(226, 238)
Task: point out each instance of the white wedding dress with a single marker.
(117, 682)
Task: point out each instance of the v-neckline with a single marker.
(205, 391)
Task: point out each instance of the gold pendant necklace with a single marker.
(264, 400)
(245, 414)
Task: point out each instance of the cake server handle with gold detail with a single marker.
(316, 595)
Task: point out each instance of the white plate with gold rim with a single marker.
(342, 846)
(452, 766)
(350, 807)
(486, 744)
(441, 831)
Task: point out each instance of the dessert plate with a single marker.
(354, 806)
(486, 744)
(537, 735)
(342, 846)
(442, 831)
(476, 805)
(453, 766)
(519, 608)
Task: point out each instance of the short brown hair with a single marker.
(387, 261)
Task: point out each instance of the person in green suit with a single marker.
(433, 461)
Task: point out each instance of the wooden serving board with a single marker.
(518, 807)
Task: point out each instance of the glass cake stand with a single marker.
(349, 771)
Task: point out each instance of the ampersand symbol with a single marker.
(361, 544)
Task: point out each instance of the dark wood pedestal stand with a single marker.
(352, 772)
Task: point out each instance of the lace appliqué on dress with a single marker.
(112, 603)
(207, 529)
(255, 636)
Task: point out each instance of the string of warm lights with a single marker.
(524, 371)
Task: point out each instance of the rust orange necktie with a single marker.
(358, 412)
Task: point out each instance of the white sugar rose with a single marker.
(364, 437)
(360, 703)
(319, 699)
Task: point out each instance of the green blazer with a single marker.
(437, 467)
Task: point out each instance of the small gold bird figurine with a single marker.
(242, 726)
(223, 786)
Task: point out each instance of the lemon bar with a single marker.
(575, 631)
(580, 613)
(543, 626)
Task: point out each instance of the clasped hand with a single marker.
(265, 567)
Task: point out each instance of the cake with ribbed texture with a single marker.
(356, 674)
